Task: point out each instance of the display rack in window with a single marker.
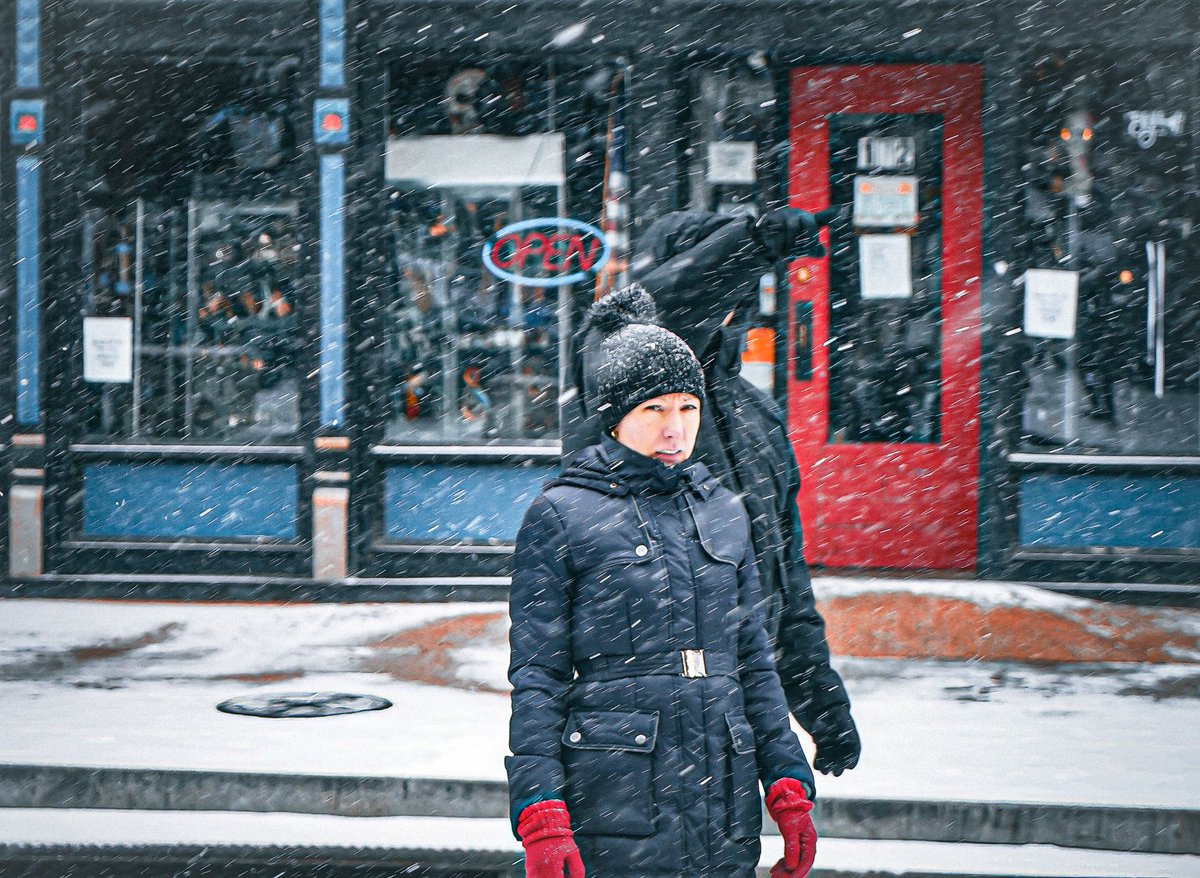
(208, 294)
(471, 355)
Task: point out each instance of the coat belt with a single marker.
(677, 663)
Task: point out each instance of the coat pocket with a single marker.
(745, 804)
(609, 762)
(724, 537)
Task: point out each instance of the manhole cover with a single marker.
(293, 704)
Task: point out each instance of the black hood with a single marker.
(699, 266)
(676, 233)
(611, 468)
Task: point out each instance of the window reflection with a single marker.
(475, 357)
(209, 292)
(189, 270)
(473, 148)
(240, 362)
(885, 278)
(1104, 200)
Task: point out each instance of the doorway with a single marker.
(883, 385)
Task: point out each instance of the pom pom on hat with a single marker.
(631, 304)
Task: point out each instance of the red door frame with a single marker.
(879, 504)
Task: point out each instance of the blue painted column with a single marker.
(26, 120)
(29, 299)
(333, 44)
(331, 136)
(28, 47)
(333, 291)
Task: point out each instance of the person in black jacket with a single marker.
(701, 268)
(646, 708)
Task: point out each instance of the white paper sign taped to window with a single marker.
(885, 266)
(732, 161)
(1051, 303)
(108, 350)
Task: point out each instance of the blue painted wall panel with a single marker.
(183, 500)
(29, 297)
(333, 291)
(1110, 511)
(29, 38)
(440, 502)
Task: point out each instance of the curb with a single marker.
(231, 860)
(236, 861)
(1095, 827)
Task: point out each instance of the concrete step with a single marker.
(1142, 830)
(120, 843)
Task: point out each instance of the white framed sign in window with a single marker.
(1051, 303)
(108, 350)
(885, 266)
(885, 201)
(732, 162)
(887, 153)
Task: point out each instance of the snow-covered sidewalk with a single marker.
(108, 829)
(131, 684)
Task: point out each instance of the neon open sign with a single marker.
(550, 252)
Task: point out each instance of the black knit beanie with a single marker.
(637, 359)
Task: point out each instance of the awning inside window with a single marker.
(476, 160)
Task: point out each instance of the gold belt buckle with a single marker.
(693, 663)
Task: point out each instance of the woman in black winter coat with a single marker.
(646, 708)
(699, 267)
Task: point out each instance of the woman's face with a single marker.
(663, 427)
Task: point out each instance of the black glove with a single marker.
(789, 233)
(836, 737)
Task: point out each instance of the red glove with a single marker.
(788, 805)
(545, 831)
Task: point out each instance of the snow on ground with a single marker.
(431, 731)
(82, 684)
(984, 594)
(154, 640)
(83, 827)
(929, 732)
(941, 730)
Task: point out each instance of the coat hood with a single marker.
(699, 266)
(611, 468)
(677, 233)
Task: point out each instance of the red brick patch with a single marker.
(425, 654)
(905, 625)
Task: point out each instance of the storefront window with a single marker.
(476, 356)
(190, 256)
(1109, 347)
(732, 115)
(733, 127)
(885, 278)
(190, 320)
(469, 354)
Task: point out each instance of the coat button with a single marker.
(576, 737)
(640, 739)
(641, 551)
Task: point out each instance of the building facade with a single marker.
(287, 286)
